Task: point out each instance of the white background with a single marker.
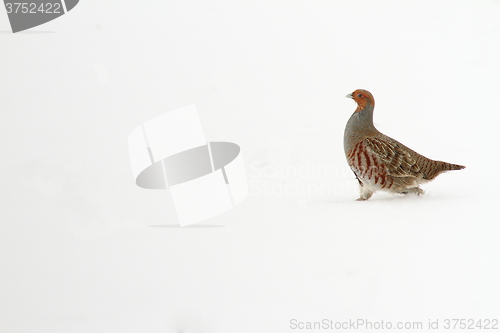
(81, 246)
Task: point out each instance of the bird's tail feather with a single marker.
(448, 166)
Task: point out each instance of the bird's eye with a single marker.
(359, 95)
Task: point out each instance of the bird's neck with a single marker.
(364, 117)
(359, 126)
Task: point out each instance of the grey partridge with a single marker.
(380, 162)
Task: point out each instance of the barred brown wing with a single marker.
(397, 159)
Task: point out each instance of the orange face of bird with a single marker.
(362, 97)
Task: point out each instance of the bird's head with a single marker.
(362, 97)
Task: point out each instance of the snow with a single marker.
(85, 250)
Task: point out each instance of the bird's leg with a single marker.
(359, 181)
(417, 190)
(413, 190)
(364, 192)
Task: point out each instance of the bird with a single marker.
(380, 162)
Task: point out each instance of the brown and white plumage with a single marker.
(380, 162)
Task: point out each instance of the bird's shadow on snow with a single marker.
(375, 198)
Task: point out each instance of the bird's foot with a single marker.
(413, 190)
(365, 194)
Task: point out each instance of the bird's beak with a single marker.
(349, 95)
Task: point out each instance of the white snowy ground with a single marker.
(85, 250)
